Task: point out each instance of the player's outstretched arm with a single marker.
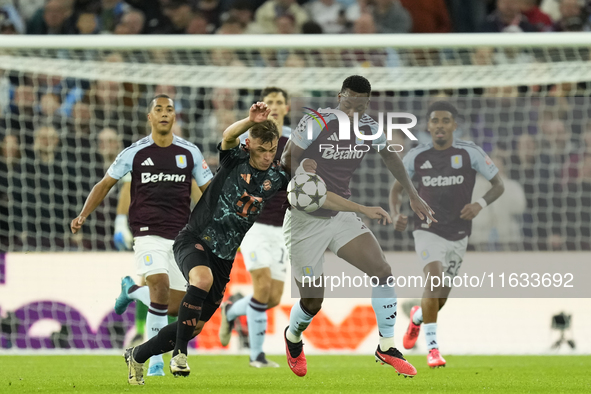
(397, 169)
(96, 196)
(470, 211)
(400, 220)
(258, 113)
(334, 202)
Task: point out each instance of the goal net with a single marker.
(68, 105)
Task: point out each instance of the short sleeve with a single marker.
(299, 135)
(482, 163)
(122, 164)
(201, 171)
(231, 157)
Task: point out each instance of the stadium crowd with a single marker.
(59, 135)
(290, 16)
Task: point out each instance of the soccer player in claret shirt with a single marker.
(309, 235)
(446, 171)
(163, 167)
(264, 252)
(206, 247)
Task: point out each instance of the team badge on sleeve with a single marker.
(181, 161)
(456, 161)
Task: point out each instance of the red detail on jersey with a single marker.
(204, 164)
(246, 177)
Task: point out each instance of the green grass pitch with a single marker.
(326, 374)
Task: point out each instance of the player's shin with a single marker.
(155, 321)
(256, 313)
(384, 303)
(189, 314)
(299, 319)
(162, 343)
(238, 308)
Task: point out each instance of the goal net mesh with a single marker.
(66, 113)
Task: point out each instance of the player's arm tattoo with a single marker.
(495, 191)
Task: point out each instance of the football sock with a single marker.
(256, 315)
(141, 310)
(383, 301)
(139, 293)
(189, 314)
(417, 318)
(299, 320)
(161, 343)
(238, 308)
(431, 335)
(155, 321)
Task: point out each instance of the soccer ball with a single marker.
(306, 192)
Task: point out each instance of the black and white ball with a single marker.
(306, 192)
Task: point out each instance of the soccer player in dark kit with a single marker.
(204, 250)
(446, 169)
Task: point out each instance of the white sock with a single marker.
(386, 343)
(417, 318)
(155, 321)
(141, 294)
(431, 335)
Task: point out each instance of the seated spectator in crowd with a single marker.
(132, 22)
(391, 17)
(180, 13)
(56, 17)
(28, 8)
(111, 13)
(267, 14)
(507, 18)
(46, 143)
(551, 8)
(50, 104)
(87, 23)
(199, 25)
(109, 146)
(231, 25)
(354, 11)
(499, 228)
(285, 24)
(572, 165)
(156, 20)
(536, 17)
(212, 11)
(11, 153)
(242, 10)
(312, 27)
(467, 16)
(428, 16)
(10, 20)
(327, 13)
(572, 17)
(387, 57)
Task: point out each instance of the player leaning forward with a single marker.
(446, 169)
(163, 167)
(309, 235)
(204, 250)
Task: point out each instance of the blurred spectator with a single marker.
(50, 104)
(285, 24)
(10, 20)
(11, 153)
(242, 10)
(111, 13)
(46, 143)
(329, 14)
(391, 17)
(354, 11)
(467, 16)
(295, 60)
(507, 18)
(156, 20)
(199, 25)
(211, 11)
(87, 23)
(267, 14)
(572, 17)
(180, 13)
(24, 100)
(555, 143)
(573, 163)
(428, 16)
(498, 227)
(132, 22)
(551, 8)
(56, 17)
(231, 25)
(311, 27)
(28, 8)
(536, 17)
(109, 146)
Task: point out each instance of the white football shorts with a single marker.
(264, 247)
(431, 247)
(153, 255)
(307, 237)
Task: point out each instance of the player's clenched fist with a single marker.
(309, 165)
(77, 224)
(400, 222)
(259, 112)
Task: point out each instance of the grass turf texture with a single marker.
(326, 374)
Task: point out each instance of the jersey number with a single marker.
(245, 204)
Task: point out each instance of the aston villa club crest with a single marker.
(456, 161)
(181, 161)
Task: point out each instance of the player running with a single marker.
(264, 252)
(162, 168)
(446, 169)
(308, 236)
(205, 248)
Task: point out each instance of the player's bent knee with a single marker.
(313, 305)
